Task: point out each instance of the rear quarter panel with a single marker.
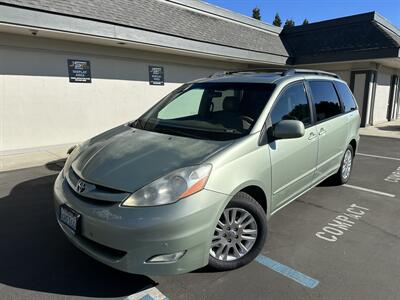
(354, 121)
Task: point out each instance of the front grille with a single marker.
(90, 200)
(94, 192)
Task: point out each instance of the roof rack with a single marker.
(312, 72)
(257, 70)
(282, 71)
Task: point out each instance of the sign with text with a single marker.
(79, 71)
(156, 75)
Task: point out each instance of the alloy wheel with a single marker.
(347, 162)
(234, 236)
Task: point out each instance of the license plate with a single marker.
(70, 218)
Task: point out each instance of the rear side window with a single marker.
(325, 98)
(346, 96)
(292, 105)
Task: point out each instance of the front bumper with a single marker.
(126, 237)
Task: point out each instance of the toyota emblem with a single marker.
(80, 186)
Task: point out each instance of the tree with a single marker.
(289, 23)
(256, 13)
(305, 22)
(277, 20)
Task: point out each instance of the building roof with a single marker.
(202, 29)
(189, 19)
(364, 36)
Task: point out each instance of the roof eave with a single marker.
(17, 16)
(347, 56)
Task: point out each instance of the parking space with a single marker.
(334, 242)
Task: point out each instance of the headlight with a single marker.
(172, 187)
(72, 154)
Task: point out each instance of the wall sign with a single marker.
(156, 75)
(79, 71)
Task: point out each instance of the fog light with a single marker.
(164, 258)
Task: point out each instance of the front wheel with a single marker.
(239, 235)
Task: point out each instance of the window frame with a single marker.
(266, 136)
(316, 122)
(289, 85)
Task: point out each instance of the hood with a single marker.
(126, 158)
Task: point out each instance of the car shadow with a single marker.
(55, 165)
(35, 254)
(330, 181)
(389, 128)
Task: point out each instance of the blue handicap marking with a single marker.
(151, 293)
(287, 271)
(147, 297)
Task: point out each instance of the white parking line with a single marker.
(378, 156)
(369, 190)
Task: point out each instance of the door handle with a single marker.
(312, 136)
(322, 131)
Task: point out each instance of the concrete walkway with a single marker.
(388, 129)
(33, 158)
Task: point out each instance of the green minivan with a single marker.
(193, 181)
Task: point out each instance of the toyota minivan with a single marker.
(193, 181)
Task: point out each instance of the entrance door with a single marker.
(359, 85)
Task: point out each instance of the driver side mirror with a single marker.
(288, 129)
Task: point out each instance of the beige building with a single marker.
(70, 71)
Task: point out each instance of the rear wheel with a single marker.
(343, 175)
(239, 235)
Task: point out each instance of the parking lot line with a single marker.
(369, 190)
(287, 271)
(148, 294)
(378, 156)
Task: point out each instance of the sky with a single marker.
(313, 10)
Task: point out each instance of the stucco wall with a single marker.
(40, 107)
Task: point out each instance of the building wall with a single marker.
(40, 107)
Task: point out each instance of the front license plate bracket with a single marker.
(70, 218)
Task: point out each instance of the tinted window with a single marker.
(346, 96)
(325, 99)
(292, 105)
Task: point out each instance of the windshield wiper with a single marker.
(232, 130)
(170, 130)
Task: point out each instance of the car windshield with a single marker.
(214, 111)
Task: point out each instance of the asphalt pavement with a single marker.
(334, 242)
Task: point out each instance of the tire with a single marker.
(229, 236)
(343, 175)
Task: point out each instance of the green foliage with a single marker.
(305, 22)
(289, 23)
(277, 20)
(256, 13)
